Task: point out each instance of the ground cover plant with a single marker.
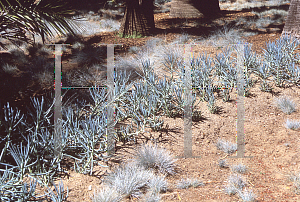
(149, 113)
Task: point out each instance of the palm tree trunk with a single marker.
(184, 9)
(138, 18)
(147, 9)
(292, 23)
(194, 8)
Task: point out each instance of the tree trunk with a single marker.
(147, 9)
(138, 18)
(292, 23)
(194, 8)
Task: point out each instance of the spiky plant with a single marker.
(60, 193)
(107, 194)
(129, 179)
(247, 195)
(235, 184)
(188, 182)
(240, 168)
(157, 184)
(286, 105)
(152, 157)
(223, 163)
(226, 146)
(290, 124)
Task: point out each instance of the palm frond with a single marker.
(20, 17)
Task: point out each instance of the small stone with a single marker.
(90, 188)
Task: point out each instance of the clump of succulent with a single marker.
(285, 104)
(129, 179)
(158, 184)
(295, 178)
(223, 163)
(235, 183)
(60, 192)
(247, 195)
(240, 168)
(188, 182)
(107, 194)
(292, 124)
(226, 146)
(134, 49)
(280, 57)
(150, 156)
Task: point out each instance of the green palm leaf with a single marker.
(35, 17)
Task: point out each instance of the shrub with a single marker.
(226, 146)
(157, 184)
(134, 49)
(10, 69)
(130, 65)
(153, 43)
(286, 105)
(12, 189)
(235, 183)
(90, 55)
(150, 156)
(109, 25)
(296, 180)
(187, 183)
(246, 195)
(182, 39)
(60, 196)
(44, 78)
(224, 36)
(290, 124)
(129, 179)
(280, 57)
(171, 57)
(107, 194)
(240, 168)
(152, 197)
(223, 164)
